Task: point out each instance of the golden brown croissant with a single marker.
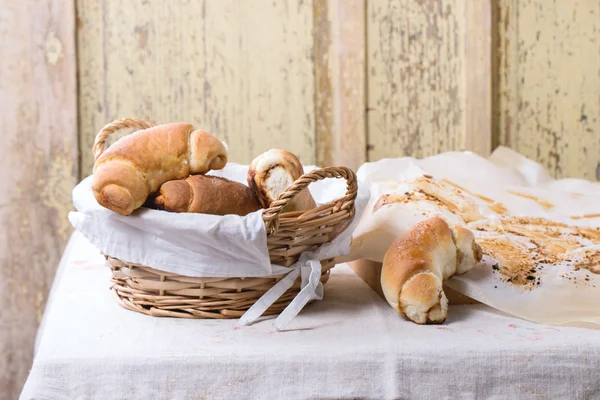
(417, 263)
(271, 173)
(136, 165)
(207, 195)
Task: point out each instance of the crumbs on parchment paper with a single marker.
(549, 243)
(516, 265)
(578, 280)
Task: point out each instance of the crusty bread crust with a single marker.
(417, 263)
(206, 195)
(136, 165)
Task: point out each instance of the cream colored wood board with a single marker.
(240, 69)
(340, 75)
(548, 103)
(477, 75)
(323, 47)
(38, 168)
(428, 89)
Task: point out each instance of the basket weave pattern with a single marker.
(160, 293)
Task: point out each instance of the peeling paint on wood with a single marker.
(323, 91)
(340, 76)
(242, 70)
(348, 72)
(37, 169)
(414, 68)
(477, 75)
(548, 69)
(53, 49)
(56, 191)
(429, 84)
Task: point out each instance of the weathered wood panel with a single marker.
(38, 168)
(427, 91)
(324, 120)
(548, 70)
(477, 75)
(240, 69)
(340, 77)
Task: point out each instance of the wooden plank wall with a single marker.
(38, 168)
(339, 52)
(428, 77)
(243, 70)
(547, 83)
(421, 69)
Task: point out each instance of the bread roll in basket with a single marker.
(160, 293)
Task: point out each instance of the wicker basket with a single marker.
(163, 294)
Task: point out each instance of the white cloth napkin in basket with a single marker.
(201, 245)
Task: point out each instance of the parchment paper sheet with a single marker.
(489, 196)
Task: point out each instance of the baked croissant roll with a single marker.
(417, 263)
(207, 195)
(136, 165)
(271, 173)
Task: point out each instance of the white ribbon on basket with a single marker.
(308, 267)
(311, 289)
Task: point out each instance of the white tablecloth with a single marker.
(350, 345)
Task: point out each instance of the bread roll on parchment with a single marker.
(207, 195)
(271, 173)
(136, 165)
(417, 263)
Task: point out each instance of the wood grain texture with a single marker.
(38, 168)
(340, 76)
(414, 69)
(477, 75)
(426, 90)
(324, 124)
(548, 73)
(242, 70)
